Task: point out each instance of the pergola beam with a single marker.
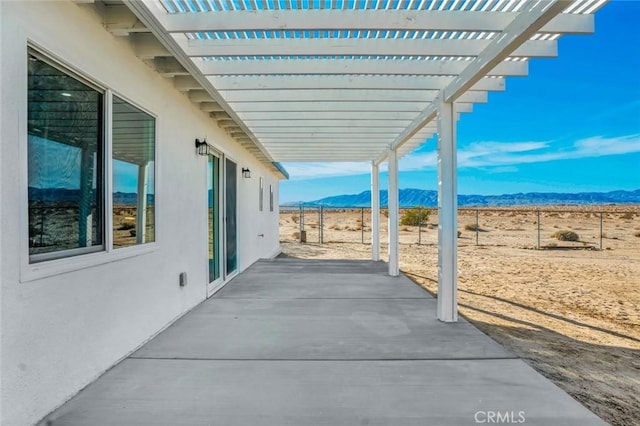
(294, 117)
(309, 139)
(351, 66)
(364, 122)
(120, 21)
(362, 82)
(146, 46)
(356, 47)
(361, 20)
(358, 95)
(327, 133)
(414, 107)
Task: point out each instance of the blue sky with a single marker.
(572, 125)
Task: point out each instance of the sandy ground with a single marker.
(570, 309)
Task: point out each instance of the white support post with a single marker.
(141, 217)
(447, 215)
(394, 269)
(85, 213)
(375, 212)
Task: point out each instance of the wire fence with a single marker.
(569, 227)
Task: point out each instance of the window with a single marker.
(67, 167)
(133, 151)
(65, 163)
(261, 199)
(270, 198)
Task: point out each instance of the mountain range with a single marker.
(429, 198)
(407, 197)
(63, 195)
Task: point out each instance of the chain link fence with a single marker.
(571, 227)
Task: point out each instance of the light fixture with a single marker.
(202, 148)
(246, 173)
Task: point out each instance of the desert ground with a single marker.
(571, 309)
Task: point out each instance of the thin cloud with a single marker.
(503, 156)
(300, 171)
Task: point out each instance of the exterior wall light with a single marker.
(246, 173)
(202, 147)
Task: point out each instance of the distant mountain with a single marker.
(429, 198)
(61, 195)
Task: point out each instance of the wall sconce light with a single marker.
(246, 173)
(202, 148)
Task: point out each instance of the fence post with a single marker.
(538, 229)
(477, 226)
(301, 220)
(362, 223)
(600, 230)
(320, 224)
(419, 225)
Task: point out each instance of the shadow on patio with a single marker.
(320, 342)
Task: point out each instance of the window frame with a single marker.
(155, 170)
(87, 257)
(102, 160)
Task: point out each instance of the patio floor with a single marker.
(320, 342)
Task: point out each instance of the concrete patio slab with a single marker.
(293, 285)
(320, 329)
(327, 266)
(308, 393)
(294, 343)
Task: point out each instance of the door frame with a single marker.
(218, 283)
(221, 199)
(226, 274)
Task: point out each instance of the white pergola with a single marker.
(350, 80)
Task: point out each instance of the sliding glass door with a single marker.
(222, 223)
(213, 206)
(231, 254)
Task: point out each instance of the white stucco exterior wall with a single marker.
(62, 331)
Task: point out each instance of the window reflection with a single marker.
(65, 167)
(133, 175)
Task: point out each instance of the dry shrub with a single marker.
(405, 229)
(565, 236)
(125, 226)
(294, 218)
(334, 226)
(636, 234)
(627, 215)
(471, 227)
(296, 235)
(415, 216)
(313, 225)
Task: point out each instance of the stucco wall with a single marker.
(61, 332)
